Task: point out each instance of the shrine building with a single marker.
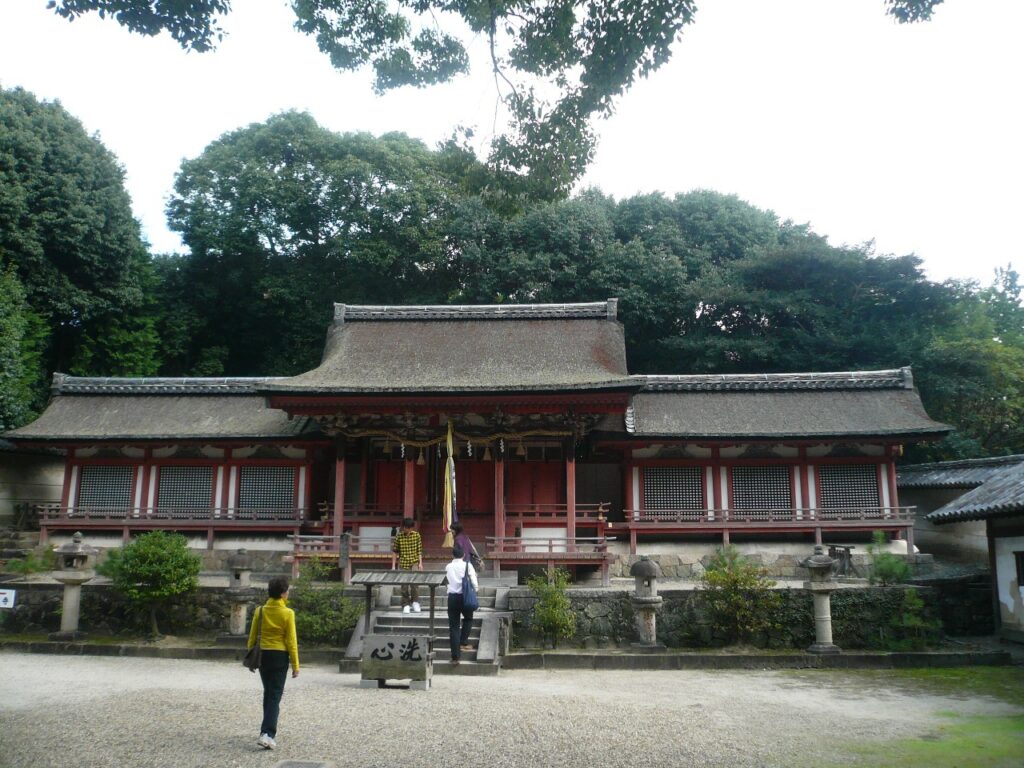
(562, 457)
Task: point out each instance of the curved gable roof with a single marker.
(485, 348)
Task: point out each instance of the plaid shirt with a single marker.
(409, 546)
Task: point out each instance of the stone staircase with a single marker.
(489, 635)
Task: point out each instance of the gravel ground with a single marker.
(93, 711)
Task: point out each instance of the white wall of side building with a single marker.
(1011, 600)
(965, 542)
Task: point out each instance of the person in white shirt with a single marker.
(459, 637)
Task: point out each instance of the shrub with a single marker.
(553, 618)
(740, 600)
(322, 612)
(33, 562)
(152, 571)
(886, 568)
(911, 629)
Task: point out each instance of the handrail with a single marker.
(118, 513)
(770, 515)
(550, 545)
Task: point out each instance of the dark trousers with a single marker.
(410, 592)
(273, 672)
(458, 636)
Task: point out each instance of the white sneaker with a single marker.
(266, 742)
(406, 609)
(416, 608)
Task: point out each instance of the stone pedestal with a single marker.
(821, 586)
(821, 593)
(646, 603)
(646, 611)
(74, 569)
(72, 604)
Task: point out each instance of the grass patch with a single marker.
(962, 742)
(1003, 683)
(975, 742)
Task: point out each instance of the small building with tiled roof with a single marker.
(942, 485)
(997, 503)
(561, 455)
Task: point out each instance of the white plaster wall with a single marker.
(963, 542)
(1011, 602)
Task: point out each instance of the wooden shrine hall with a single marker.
(561, 456)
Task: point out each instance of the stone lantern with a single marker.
(239, 591)
(74, 568)
(821, 586)
(646, 602)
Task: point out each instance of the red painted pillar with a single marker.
(409, 488)
(570, 498)
(499, 497)
(338, 525)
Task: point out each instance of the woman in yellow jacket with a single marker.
(280, 647)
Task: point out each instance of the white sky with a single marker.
(824, 112)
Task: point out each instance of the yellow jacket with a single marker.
(278, 629)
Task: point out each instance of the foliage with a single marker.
(15, 393)
(284, 218)
(152, 571)
(886, 568)
(322, 612)
(33, 562)
(67, 228)
(740, 600)
(556, 65)
(553, 618)
(193, 23)
(971, 375)
(912, 629)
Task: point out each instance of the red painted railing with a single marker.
(55, 513)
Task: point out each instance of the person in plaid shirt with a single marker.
(409, 546)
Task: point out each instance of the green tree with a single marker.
(805, 306)
(976, 385)
(283, 218)
(970, 375)
(584, 53)
(14, 394)
(739, 596)
(66, 225)
(553, 618)
(152, 571)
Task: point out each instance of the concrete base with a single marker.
(647, 648)
(824, 648)
(71, 636)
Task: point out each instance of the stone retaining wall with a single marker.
(105, 612)
(863, 618)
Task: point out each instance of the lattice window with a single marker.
(761, 488)
(848, 485)
(185, 487)
(105, 486)
(673, 488)
(266, 487)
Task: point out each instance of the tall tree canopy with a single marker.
(66, 226)
(283, 218)
(557, 64)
